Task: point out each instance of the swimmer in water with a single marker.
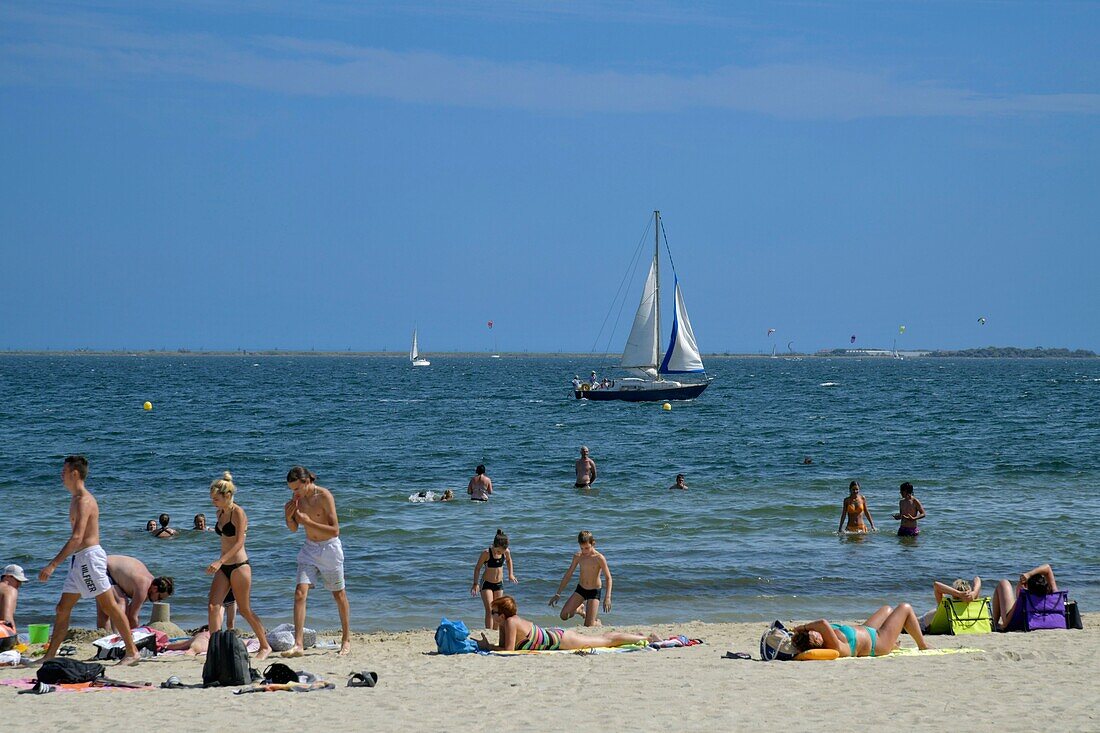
(586, 469)
(679, 483)
(855, 506)
(909, 511)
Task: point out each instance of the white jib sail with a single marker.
(641, 346)
(683, 353)
(414, 354)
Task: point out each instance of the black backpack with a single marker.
(226, 662)
(64, 671)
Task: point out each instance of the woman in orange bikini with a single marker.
(855, 506)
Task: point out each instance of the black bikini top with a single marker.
(225, 530)
(495, 562)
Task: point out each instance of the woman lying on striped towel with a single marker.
(519, 634)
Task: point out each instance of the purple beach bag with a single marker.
(1034, 612)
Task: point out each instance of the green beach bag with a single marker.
(960, 617)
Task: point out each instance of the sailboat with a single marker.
(641, 357)
(414, 354)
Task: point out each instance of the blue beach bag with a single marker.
(452, 637)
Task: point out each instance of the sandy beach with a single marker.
(1017, 682)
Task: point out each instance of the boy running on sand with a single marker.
(321, 559)
(87, 576)
(585, 599)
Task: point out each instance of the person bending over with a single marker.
(133, 585)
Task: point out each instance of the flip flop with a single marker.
(67, 650)
(172, 683)
(363, 679)
(737, 655)
(40, 688)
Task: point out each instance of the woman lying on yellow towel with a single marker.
(875, 637)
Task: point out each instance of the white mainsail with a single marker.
(414, 354)
(642, 344)
(683, 355)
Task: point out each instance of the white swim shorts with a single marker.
(322, 563)
(88, 573)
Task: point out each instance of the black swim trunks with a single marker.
(486, 585)
(588, 594)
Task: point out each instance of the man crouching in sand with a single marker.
(321, 559)
(88, 568)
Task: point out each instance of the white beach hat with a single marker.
(16, 572)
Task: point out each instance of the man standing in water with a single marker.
(321, 559)
(88, 568)
(586, 470)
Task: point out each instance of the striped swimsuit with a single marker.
(541, 640)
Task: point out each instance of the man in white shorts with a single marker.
(321, 559)
(87, 576)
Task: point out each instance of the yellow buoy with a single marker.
(147, 406)
(666, 406)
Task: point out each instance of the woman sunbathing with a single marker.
(1039, 582)
(519, 634)
(960, 590)
(875, 637)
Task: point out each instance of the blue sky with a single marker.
(326, 174)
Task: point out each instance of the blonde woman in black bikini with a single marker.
(492, 583)
(231, 570)
(519, 634)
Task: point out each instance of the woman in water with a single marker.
(1039, 581)
(231, 570)
(874, 638)
(519, 634)
(855, 506)
(492, 583)
(480, 486)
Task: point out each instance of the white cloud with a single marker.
(85, 52)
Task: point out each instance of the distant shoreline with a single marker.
(1008, 352)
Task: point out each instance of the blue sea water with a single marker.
(1004, 454)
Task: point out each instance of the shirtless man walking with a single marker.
(586, 469)
(133, 584)
(321, 559)
(88, 568)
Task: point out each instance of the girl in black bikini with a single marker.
(231, 571)
(492, 584)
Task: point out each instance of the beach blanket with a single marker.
(914, 652)
(29, 682)
(675, 642)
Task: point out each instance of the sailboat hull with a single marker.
(648, 393)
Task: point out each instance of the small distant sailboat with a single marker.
(641, 357)
(897, 356)
(414, 354)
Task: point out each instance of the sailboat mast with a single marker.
(657, 267)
